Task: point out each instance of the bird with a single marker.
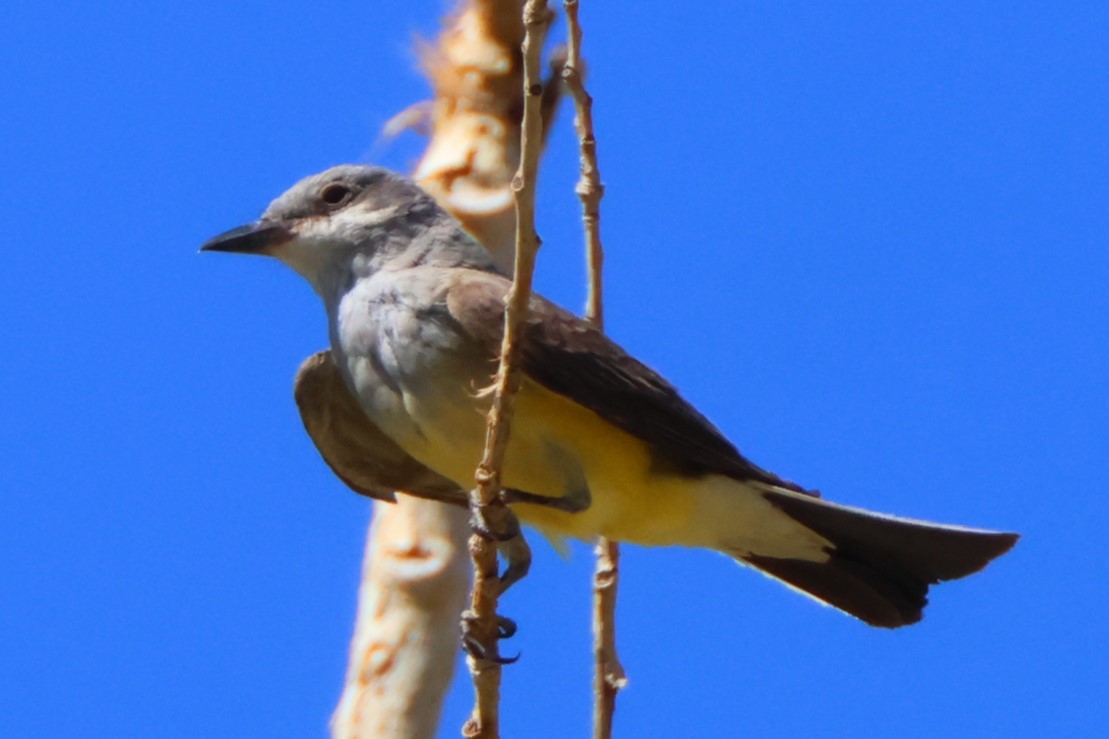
(601, 444)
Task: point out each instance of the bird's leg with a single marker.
(494, 522)
(497, 523)
(517, 558)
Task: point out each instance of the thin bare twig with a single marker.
(485, 501)
(589, 187)
(608, 673)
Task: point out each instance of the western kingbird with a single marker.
(601, 445)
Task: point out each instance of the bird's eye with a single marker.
(335, 193)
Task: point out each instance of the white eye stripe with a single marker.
(366, 216)
(335, 223)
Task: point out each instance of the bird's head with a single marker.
(347, 221)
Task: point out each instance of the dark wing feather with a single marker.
(356, 450)
(567, 356)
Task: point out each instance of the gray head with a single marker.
(350, 221)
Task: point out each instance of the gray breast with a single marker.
(402, 352)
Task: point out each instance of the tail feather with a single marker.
(880, 567)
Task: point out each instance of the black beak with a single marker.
(253, 238)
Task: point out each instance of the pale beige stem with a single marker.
(414, 584)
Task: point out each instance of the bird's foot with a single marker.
(496, 523)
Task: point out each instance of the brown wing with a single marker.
(566, 355)
(355, 449)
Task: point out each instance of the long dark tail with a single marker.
(880, 567)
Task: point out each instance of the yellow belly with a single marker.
(630, 500)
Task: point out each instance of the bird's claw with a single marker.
(473, 645)
(506, 627)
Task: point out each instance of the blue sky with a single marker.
(868, 241)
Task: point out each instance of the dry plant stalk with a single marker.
(485, 499)
(406, 635)
(472, 157)
(608, 673)
(415, 578)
